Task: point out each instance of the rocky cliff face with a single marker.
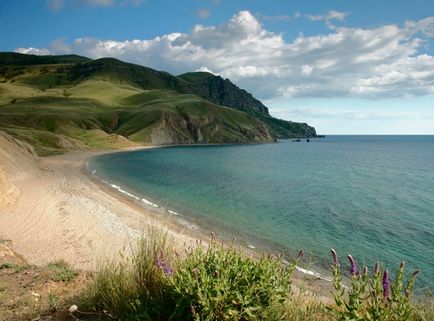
(287, 129)
(182, 129)
(223, 92)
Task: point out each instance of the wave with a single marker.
(173, 212)
(125, 192)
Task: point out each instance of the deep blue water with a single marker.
(371, 196)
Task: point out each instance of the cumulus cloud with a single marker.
(33, 51)
(384, 61)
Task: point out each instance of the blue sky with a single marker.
(346, 67)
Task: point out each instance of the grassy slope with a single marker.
(14, 58)
(45, 106)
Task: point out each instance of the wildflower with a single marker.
(353, 265)
(335, 257)
(162, 264)
(386, 284)
(377, 268)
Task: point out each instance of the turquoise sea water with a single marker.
(371, 196)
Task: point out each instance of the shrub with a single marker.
(373, 297)
(217, 283)
(221, 283)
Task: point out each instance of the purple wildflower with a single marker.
(335, 257)
(386, 284)
(162, 264)
(353, 265)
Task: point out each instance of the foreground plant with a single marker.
(221, 283)
(372, 298)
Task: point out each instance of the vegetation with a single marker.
(374, 297)
(205, 282)
(219, 282)
(29, 292)
(61, 271)
(61, 103)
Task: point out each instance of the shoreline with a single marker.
(311, 279)
(64, 213)
(61, 213)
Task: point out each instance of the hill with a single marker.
(14, 58)
(223, 92)
(60, 103)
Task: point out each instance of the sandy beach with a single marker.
(52, 210)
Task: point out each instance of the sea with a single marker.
(368, 196)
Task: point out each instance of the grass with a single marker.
(219, 282)
(61, 271)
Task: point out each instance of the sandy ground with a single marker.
(54, 210)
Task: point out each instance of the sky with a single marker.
(343, 66)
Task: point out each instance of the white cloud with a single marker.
(328, 17)
(335, 15)
(282, 17)
(205, 69)
(378, 62)
(56, 5)
(33, 51)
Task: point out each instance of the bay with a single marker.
(371, 196)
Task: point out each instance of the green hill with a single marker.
(61, 103)
(14, 58)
